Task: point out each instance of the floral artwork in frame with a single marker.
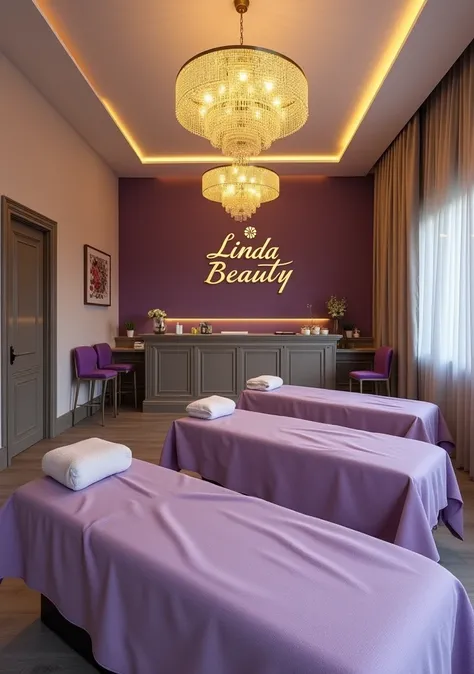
(96, 277)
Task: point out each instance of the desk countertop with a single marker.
(126, 349)
(130, 349)
(359, 349)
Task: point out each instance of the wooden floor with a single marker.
(27, 647)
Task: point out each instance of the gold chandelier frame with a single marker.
(241, 98)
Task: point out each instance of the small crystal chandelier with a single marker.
(241, 98)
(240, 188)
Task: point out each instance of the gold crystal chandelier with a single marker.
(240, 188)
(241, 98)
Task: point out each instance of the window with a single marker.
(446, 286)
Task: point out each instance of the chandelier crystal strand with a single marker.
(241, 98)
(241, 189)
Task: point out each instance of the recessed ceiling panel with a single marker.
(109, 66)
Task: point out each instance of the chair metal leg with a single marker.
(350, 384)
(135, 387)
(117, 388)
(102, 402)
(76, 396)
(92, 396)
(387, 381)
(89, 399)
(360, 385)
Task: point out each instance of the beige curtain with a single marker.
(446, 255)
(448, 136)
(395, 254)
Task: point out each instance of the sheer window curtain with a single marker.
(446, 319)
(446, 256)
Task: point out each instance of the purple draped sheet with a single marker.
(174, 575)
(394, 416)
(381, 485)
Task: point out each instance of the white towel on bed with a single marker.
(265, 382)
(211, 408)
(79, 465)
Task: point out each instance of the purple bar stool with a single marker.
(104, 355)
(381, 372)
(85, 364)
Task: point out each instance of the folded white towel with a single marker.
(265, 382)
(211, 408)
(79, 465)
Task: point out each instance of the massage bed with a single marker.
(170, 574)
(384, 486)
(413, 419)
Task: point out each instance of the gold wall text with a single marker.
(269, 269)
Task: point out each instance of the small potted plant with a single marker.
(348, 330)
(306, 330)
(159, 320)
(336, 309)
(130, 328)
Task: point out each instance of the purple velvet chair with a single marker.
(381, 372)
(104, 356)
(85, 364)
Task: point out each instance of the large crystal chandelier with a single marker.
(241, 98)
(240, 188)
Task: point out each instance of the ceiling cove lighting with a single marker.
(370, 89)
(241, 189)
(241, 98)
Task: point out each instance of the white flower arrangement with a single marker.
(157, 313)
(336, 307)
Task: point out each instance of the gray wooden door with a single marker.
(25, 306)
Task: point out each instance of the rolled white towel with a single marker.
(211, 408)
(79, 465)
(265, 382)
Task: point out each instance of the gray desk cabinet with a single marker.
(182, 368)
(169, 372)
(217, 371)
(260, 359)
(304, 365)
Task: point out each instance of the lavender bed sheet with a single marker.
(413, 419)
(384, 486)
(170, 574)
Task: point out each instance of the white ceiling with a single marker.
(83, 53)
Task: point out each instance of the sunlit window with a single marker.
(446, 284)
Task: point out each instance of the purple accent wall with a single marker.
(324, 225)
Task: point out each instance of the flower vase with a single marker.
(335, 326)
(159, 326)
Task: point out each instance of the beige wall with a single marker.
(45, 165)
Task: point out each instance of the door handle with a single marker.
(14, 356)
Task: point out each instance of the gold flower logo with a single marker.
(250, 232)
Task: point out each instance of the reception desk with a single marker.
(181, 368)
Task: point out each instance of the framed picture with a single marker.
(96, 277)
